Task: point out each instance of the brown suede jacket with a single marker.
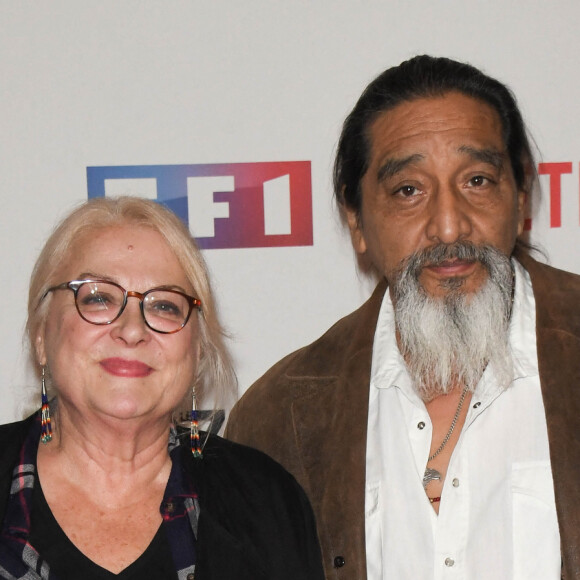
(309, 412)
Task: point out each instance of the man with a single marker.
(435, 429)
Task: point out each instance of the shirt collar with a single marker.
(388, 368)
(522, 333)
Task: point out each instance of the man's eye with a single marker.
(478, 181)
(407, 190)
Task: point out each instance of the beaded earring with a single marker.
(194, 428)
(45, 427)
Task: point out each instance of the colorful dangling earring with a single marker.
(194, 428)
(45, 427)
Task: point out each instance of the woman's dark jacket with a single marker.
(255, 521)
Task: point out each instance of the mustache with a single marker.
(411, 267)
(441, 253)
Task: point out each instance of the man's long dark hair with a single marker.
(422, 77)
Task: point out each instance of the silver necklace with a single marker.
(430, 473)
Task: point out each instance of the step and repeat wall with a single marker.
(229, 112)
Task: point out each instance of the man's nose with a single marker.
(449, 216)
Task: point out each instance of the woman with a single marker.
(122, 328)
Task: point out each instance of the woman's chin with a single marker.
(127, 408)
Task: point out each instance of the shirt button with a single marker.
(455, 482)
(339, 562)
(421, 425)
(190, 577)
(478, 404)
(449, 562)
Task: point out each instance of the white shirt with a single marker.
(497, 517)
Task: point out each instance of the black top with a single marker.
(69, 563)
(255, 521)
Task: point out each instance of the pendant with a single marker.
(430, 475)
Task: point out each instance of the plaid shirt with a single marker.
(20, 561)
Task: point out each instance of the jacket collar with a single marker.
(11, 439)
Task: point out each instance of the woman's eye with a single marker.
(96, 299)
(166, 308)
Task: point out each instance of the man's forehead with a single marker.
(426, 117)
(403, 134)
(394, 165)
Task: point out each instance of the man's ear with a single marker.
(356, 234)
(521, 207)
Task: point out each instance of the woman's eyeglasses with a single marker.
(102, 302)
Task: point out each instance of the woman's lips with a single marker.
(121, 367)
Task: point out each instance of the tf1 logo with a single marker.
(227, 205)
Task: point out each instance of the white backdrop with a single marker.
(194, 82)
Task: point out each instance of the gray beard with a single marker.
(448, 341)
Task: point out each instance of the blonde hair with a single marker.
(215, 374)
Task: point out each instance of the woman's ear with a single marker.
(39, 346)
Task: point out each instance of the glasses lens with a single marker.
(99, 302)
(165, 310)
